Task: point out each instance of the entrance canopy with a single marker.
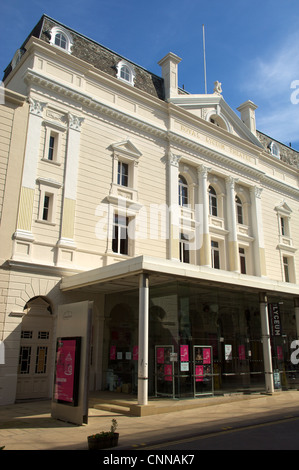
(124, 276)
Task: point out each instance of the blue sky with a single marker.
(252, 47)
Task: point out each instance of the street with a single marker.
(276, 435)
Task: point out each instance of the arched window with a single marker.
(239, 210)
(125, 72)
(212, 201)
(183, 191)
(274, 149)
(61, 38)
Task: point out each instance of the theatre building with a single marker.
(164, 218)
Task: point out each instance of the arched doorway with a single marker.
(35, 356)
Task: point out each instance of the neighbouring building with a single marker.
(168, 211)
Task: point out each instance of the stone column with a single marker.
(70, 186)
(24, 224)
(257, 228)
(266, 343)
(174, 209)
(143, 339)
(203, 203)
(233, 250)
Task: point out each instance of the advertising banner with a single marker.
(67, 370)
(73, 340)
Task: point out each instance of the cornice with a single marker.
(90, 103)
(33, 77)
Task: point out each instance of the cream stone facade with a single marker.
(130, 192)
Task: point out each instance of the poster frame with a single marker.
(76, 375)
(196, 346)
(157, 393)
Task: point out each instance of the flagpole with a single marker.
(204, 57)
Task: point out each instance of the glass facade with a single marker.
(203, 340)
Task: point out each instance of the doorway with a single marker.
(35, 355)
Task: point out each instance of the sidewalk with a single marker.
(29, 426)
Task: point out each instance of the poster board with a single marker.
(164, 370)
(73, 335)
(67, 370)
(203, 370)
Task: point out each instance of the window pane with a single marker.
(24, 359)
(212, 201)
(41, 360)
(120, 235)
(183, 191)
(286, 269)
(51, 148)
(123, 174)
(46, 207)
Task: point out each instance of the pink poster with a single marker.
(198, 373)
(135, 353)
(65, 370)
(168, 372)
(207, 356)
(242, 352)
(160, 355)
(113, 353)
(184, 353)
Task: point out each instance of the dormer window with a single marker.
(61, 38)
(274, 149)
(125, 72)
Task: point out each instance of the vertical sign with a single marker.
(274, 319)
(66, 385)
(72, 363)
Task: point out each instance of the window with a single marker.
(242, 261)
(48, 200)
(61, 38)
(53, 143)
(215, 255)
(183, 191)
(239, 210)
(274, 149)
(184, 248)
(47, 207)
(123, 174)
(212, 201)
(125, 72)
(283, 226)
(286, 269)
(51, 148)
(120, 234)
(26, 334)
(41, 360)
(24, 359)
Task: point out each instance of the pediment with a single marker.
(214, 109)
(126, 147)
(283, 208)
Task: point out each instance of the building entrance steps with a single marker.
(128, 404)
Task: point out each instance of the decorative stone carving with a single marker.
(36, 107)
(75, 122)
(217, 88)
